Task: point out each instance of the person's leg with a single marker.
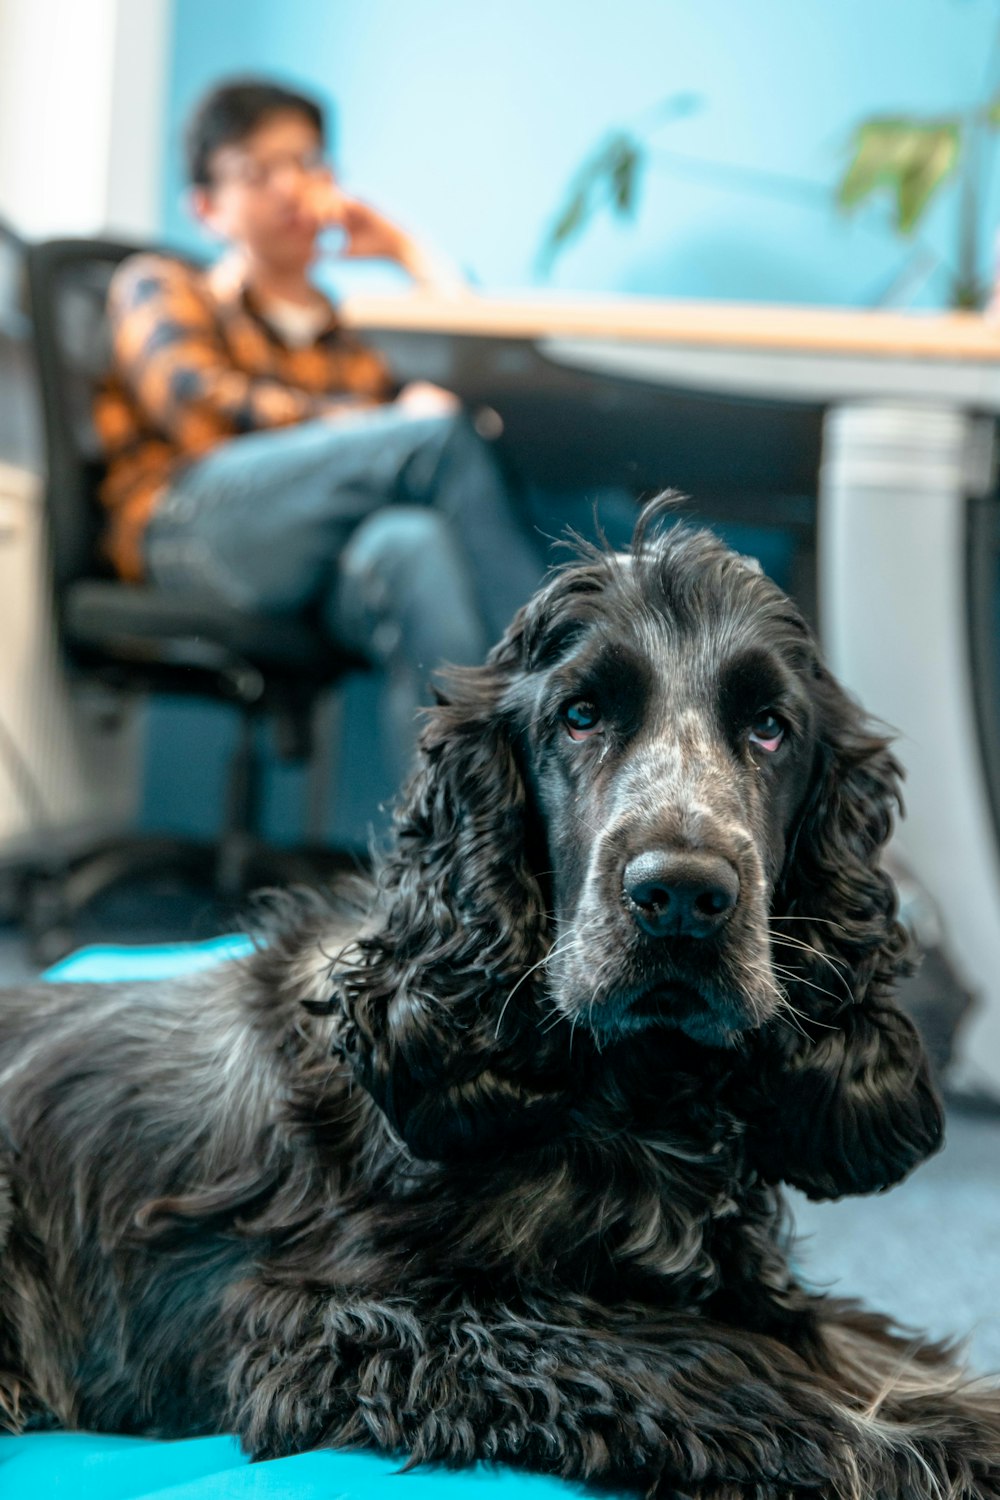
(403, 599)
(261, 521)
(455, 471)
(344, 518)
(403, 588)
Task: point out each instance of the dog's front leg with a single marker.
(681, 1405)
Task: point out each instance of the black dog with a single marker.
(491, 1168)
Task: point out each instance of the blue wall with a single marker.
(467, 120)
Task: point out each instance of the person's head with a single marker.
(255, 161)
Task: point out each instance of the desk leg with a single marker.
(895, 623)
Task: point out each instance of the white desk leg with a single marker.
(894, 620)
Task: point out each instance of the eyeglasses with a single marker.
(253, 173)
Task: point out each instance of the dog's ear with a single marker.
(6, 1205)
(436, 1013)
(842, 1100)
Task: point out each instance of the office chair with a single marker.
(13, 292)
(140, 639)
(19, 440)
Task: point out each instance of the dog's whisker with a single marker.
(783, 939)
(553, 952)
(795, 978)
(607, 834)
(760, 980)
(818, 921)
(794, 940)
(788, 1008)
(788, 1012)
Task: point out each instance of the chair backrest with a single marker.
(68, 283)
(13, 286)
(20, 406)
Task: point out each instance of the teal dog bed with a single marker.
(90, 1466)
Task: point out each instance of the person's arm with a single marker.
(429, 268)
(170, 356)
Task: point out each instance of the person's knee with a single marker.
(443, 429)
(404, 580)
(388, 547)
(458, 436)
(446, 445)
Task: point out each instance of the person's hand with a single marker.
(324, 200)
(368, 234)
(422, 399)
(371, 235)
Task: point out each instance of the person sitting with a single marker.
(258, 453)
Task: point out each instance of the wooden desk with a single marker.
(900, 412)
(959, 335)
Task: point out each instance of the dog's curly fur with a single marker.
(490, 1167)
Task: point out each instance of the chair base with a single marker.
(52, 899)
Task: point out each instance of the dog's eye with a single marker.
(582, 719)
(767, 732)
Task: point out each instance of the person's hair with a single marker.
(232, 111)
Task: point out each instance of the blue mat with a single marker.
(86, 1466)
(91, 1466)
(104, 963)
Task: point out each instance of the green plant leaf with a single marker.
(624, 176)
(571, 219)
(929, 163)
(991, 113)
(909, 158)
(610, 175)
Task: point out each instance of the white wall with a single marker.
(81, 105)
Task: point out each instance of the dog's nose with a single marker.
(673, 894)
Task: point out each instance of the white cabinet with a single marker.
(70, 755)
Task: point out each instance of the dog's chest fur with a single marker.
(643, 1194)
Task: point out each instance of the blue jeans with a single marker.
(398, 532)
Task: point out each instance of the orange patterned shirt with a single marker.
(194, 363)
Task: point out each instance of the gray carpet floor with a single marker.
(928, 1251)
